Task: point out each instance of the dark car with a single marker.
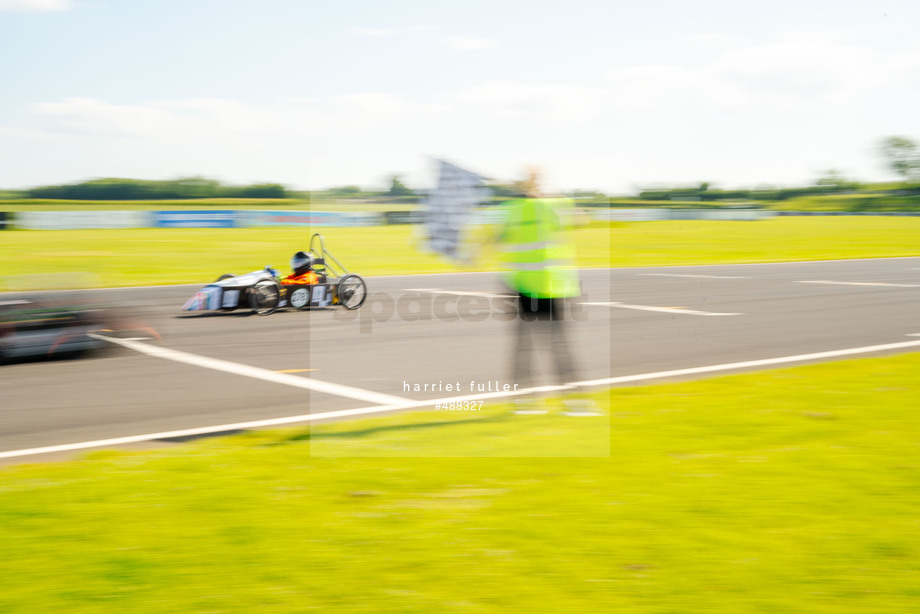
(36, 327)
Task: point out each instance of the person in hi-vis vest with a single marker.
(539, 259)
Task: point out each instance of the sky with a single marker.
(613, 96)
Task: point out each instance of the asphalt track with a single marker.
(437, 330)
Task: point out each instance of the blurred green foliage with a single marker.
(902, 155)
(854, 203)
(398, 188)
(138, 189)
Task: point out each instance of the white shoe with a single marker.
(528, 407)
(582, 407)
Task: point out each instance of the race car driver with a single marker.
(302, 264)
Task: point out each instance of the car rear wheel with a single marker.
(264, 297)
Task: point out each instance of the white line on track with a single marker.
(256, 372)
(431, 402)
(459, 292)
(777, 262)
(688, 275)
(680, 310)
(767, 362)
(860, 283)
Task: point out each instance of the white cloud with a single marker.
(643, 87)
(35, 5)
(158, 120)
(804, 63)
(468, 43)
(715, 39)
(372, 32)
(217, 120)
(333, 141)
(795, 70)
(555, 102)
(19, 132)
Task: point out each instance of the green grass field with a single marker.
(792, 491)
(163, 256)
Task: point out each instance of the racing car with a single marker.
(264, 293)
(37, 326)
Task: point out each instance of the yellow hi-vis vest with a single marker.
(539, 258)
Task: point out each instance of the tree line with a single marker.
(900, 154)
(139, 189)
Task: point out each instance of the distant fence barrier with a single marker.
(73, 220)
(719, 214)
(64, 220)
(402, 217)
(627, 215)
(195, 219)
(267, 219)
(654, 215)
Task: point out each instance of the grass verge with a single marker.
(163, 256)
(793, 491)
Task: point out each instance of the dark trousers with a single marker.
(540, 325)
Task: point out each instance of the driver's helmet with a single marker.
(301, 262)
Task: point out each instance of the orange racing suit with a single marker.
(308, 278)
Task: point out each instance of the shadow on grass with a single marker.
(187, 438)
(308, 435)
